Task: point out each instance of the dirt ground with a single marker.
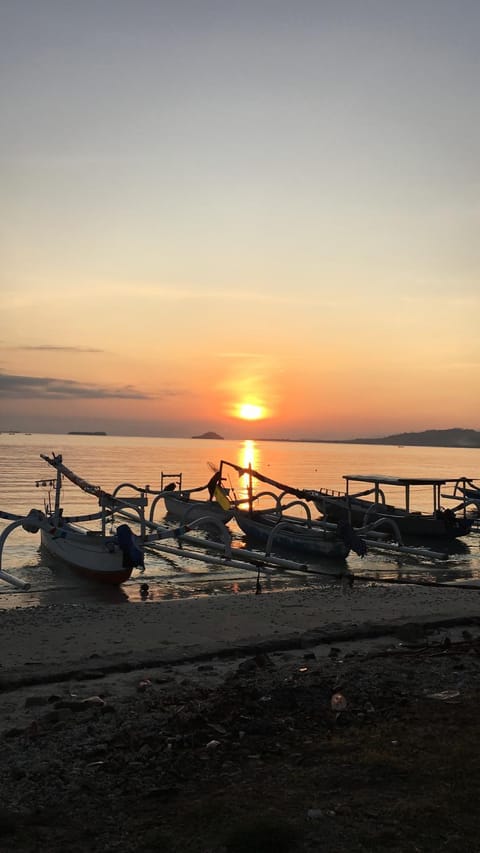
(316, 749)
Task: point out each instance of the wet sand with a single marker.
(38, 644)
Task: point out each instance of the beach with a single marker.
(226, 723)
(46, 643)
(64, 644)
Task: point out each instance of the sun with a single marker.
(250, 412)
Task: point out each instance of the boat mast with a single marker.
(58, 488)
(250, 487)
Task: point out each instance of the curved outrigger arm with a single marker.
(467, 491)
(32, 524)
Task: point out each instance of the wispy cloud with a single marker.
(51, 348)
(45, 387)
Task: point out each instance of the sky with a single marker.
(260, 218)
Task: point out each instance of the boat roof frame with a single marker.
(379, 480)
(387, 480)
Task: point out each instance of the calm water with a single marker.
(108, 461)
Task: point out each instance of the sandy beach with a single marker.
(113, 648)
(47, 643)
(286, 721)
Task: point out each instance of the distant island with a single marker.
(209, 435)
(86, 433)
(429, 438)
(457, 437)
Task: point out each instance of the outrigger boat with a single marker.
(261, 527)
(277, 531)
(96, 554)
(275, 528)
(369, 505)
(201, 502)
(111, 557)
(339, 535)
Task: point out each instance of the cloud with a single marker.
(47, 388)
(50, 348)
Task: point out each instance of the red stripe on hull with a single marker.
(112, 578)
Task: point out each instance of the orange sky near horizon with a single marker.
(206, 207)
(306, 402)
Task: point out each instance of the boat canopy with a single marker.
(385, 480)
(379, 480)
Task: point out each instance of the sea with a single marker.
(26, 482)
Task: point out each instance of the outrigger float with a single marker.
(111, 557)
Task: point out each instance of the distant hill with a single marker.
(209, 435)
(429, 438)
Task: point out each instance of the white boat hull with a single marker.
(91, 554)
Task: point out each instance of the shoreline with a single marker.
(47, 643)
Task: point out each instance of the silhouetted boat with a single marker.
(359, 509)
(276, 529)
(93, 553)
(366, 530)
(200, 502)
(291, 534)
